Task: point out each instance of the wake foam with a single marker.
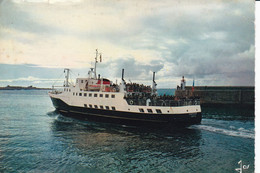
(240, 132)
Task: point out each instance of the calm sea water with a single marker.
(34, 138)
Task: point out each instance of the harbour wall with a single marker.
(220, 95)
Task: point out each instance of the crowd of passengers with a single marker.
(140, 91)
(156, 97)
(134, 87)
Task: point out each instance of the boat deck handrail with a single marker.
(161, 102)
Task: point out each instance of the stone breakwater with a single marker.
(8, 87)
(212, 95)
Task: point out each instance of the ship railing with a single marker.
(160, 102)
(57, 89)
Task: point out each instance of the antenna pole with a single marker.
(96, 64)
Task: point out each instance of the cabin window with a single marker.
(100, 95)
(81, 81)
(69, 90)
(113, 95)
(107, 95)
(150, 110)
(73, 93)
(107, 107)
(85, 105)
(141, 110)
(90, 95)
(90, 106)
(158, 111)
(96, 106)
(80, 94)
(64, 89)
(85, 94)
(76, 94)
(113, 108)
(101, 107)
(95, 95)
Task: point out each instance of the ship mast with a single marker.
(96, 64)
(66, 77)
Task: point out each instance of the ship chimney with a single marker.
(123, 75)
(122, 86)
(154, 84)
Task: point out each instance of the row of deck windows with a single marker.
(101, 107)
(158, 111)
(113, 108)
(68, 90)
(95, 95)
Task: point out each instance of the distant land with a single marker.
(8, 87)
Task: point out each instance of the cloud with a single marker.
(212, 41)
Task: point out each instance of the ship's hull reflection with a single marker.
(126, 142)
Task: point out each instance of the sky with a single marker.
(212, 42)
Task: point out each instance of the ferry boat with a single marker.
(99, 99)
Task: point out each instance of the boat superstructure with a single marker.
(99, 99)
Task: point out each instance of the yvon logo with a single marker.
(242, 167)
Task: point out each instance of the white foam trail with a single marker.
(241, 132)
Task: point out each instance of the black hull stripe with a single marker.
(63, 111)
(107, 116)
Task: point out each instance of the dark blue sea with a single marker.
(34, 138)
